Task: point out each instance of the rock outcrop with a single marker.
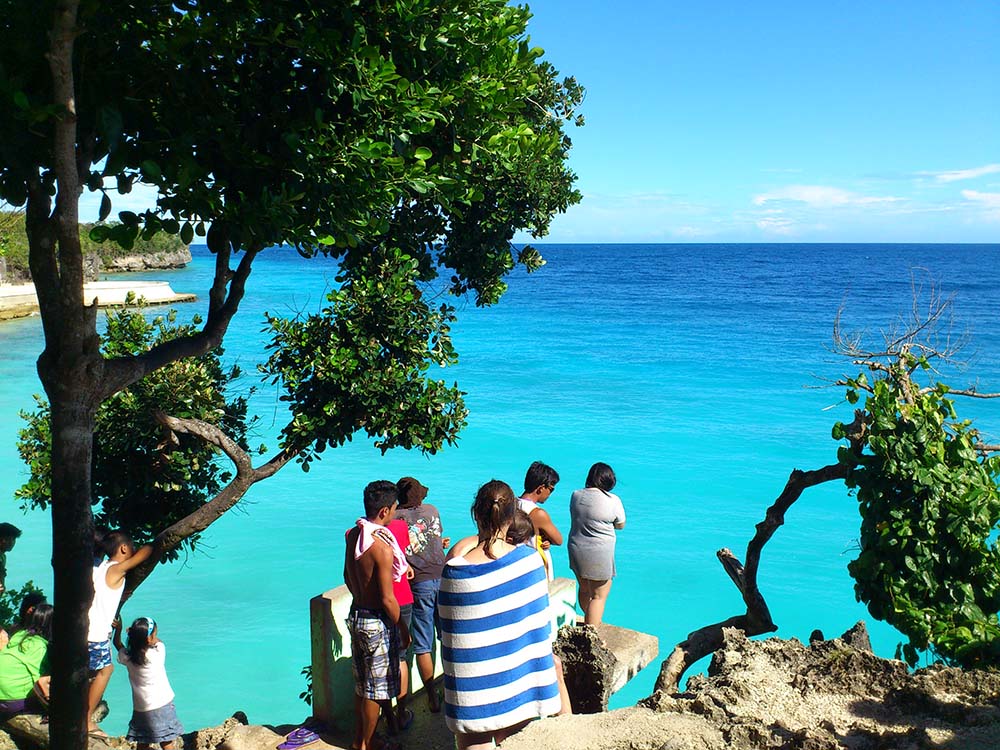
(147, 261)
(782, 695)
(758, 695)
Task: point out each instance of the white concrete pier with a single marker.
(19, 300)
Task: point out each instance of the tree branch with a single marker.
(757, 619)
(121, 372)
(203, 517)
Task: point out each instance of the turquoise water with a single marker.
(688, 368)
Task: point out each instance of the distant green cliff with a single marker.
(162, 251)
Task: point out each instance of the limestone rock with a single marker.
(587, 668)
(149, 261)
(857, 637)
(251, 737)
(6, 741)
(28, 729)
(212, 737)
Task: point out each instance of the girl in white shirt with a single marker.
(154, 718)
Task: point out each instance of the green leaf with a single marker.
(105, 209)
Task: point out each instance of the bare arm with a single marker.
(544, 526)
(116, 630)
(117, 572)
(462, 547)
(348, 552)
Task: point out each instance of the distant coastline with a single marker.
(20, 301)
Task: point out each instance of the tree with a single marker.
(144, 480)
(407, 139)
(927, 491)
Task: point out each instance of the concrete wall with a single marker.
(333, 681)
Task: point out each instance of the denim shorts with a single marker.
(423, 621)
(100, 655)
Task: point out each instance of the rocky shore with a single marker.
(770, 694)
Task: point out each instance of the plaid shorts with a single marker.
(375, 654)
(100, 655)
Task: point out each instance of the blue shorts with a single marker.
(423, 621)
(100, 655)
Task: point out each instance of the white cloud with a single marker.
(989, 201)
(964, 174)
(821, 196)
(774, 225)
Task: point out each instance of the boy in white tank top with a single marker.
(109, 585)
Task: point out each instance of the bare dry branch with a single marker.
(757, 619)
(203, 517)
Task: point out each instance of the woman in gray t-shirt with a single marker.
(595, 514)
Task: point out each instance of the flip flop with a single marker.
(298, 738)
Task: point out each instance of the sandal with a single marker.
(298, 738)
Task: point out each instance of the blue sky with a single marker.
(777, 121)
(772, 121)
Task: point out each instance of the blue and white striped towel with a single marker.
(495, 645)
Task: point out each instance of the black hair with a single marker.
(379, 494)
(112, 540)
(493, 511)
(521, 529)
(602, 477)
(9, 531)
(410, 492)
(40, 622)
(30, 601)
(540, 474)
(138, 640)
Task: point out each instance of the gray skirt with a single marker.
(156, 726)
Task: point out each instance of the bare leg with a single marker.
(368, 713)
(599, 591)
(425, 666)
(96, 692)
(167, 745)
(566, 706)
(583, 594)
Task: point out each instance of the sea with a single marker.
(701, 373)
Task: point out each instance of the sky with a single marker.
(772, 121)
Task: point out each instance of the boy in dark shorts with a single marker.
(371, 561)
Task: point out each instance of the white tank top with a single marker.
(105, 605)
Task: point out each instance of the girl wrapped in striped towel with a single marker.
(496, 650)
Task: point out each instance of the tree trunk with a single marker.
(72, 562)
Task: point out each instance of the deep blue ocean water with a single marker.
(691, 369)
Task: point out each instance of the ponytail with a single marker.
(493, 511)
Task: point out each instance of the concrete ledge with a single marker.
(19, 300)
(598, 661)
(333, 680)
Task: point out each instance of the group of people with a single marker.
(487, 599)
(24, 672)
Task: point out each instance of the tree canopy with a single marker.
(926, 485)
(408, 139)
